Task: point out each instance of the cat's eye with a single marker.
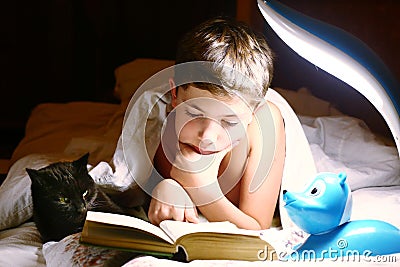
(63, 200)
(85, 193)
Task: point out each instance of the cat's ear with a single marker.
(34, 175)
(81, 163)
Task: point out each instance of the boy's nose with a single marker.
(207, 144)
(209, 132)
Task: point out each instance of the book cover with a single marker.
(204, 240)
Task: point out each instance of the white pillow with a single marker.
(345, 144)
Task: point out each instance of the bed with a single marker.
(63, 131)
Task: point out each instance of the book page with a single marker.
(176, 229)
(127, 221)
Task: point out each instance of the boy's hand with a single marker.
(171, 202)
(192, 169)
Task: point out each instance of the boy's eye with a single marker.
(229, 123)
(193, 115)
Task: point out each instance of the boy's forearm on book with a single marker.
(193, 180)
(224, 210)
(206, 194)
(212, 203)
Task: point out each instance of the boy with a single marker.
(223, 146)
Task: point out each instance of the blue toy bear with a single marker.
(323, 210)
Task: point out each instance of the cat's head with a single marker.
(62, 193)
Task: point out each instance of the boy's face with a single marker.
(207, 123)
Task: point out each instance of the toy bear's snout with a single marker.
(288, 197)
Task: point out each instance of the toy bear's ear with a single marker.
(342, 178)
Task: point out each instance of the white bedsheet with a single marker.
(21, 247)
(149, 261)
(380, 203)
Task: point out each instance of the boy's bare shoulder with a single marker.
(275, 111)
(258, 125)
(269, 107)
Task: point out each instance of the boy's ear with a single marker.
(172, 88)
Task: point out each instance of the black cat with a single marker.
(62, 193)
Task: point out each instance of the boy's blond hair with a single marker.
(229, 43)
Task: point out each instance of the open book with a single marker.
(207, 240)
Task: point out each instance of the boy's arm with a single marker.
(171, 202)
(261, 203)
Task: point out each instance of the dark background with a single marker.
(67, 50)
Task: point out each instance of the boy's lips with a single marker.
(198, 150)
(202, 152)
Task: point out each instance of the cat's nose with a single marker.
(82, 208)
